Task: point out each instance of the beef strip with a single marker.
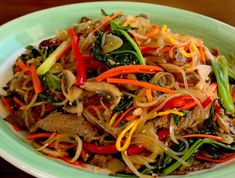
(67, 123)
(18, 119)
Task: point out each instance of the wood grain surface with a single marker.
(10, 9)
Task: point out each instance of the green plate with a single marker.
(36, 26)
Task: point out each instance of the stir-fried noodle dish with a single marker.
(125, 96)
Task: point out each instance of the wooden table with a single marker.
(10, 9)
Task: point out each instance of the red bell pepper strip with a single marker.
(163, 133)
(177, 102)
(39, 135)
(75, 163)
(91, 63)
(189, 105)
(6, 102)
(81, 68)
(146, 49)
(135, 149)
(107, 149)
(206, 102)
(122, 117)
(230, 157)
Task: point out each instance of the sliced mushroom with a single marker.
(111, 92)
(69, 89)
(74, 109)
(112, 43)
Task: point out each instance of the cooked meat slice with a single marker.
(20, 120)
(67, 123)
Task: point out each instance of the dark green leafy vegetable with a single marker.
(127, 54)
(46, 52)
(144, 77)
(31, 52)
(210, 122)
(46, 97)
(49, 99)
(126, 101)
(193, 150)
(51, 81)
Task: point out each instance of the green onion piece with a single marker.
(51, 60)
(222, 78)
(194, 148)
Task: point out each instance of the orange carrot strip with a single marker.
(165, 49)
(154, 32)
(21, 64)
(233, 122)
(129, 67)
(217, 138)
(123, 72)
(64, 52)
(201, 50)
(141, 67)
(131, 117)
(123, 116)
(141, 84)
(106, 22)
(230, 157)
(149, 94)
(36, 81)
(18, 101)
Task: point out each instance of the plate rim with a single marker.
(36, 172)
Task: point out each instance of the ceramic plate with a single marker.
(34, 27)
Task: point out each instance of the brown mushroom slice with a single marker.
(67, 123)
(70, 91)
(112, 43)
(74, 109)
(111, 92)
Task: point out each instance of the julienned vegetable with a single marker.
(81, 68)
(136, 48)
(221, 71)
(51, 60)
(126, 95)
(36, 80)
(193, 150)
(128, 53)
